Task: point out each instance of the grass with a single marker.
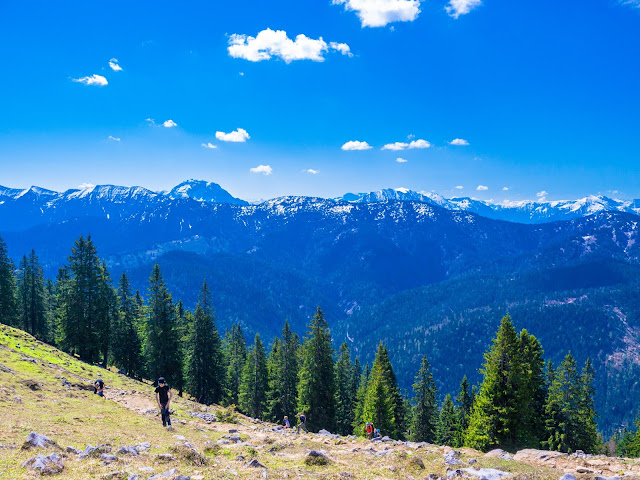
(34, 398)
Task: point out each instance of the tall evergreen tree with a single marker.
(425, 415)
(253, 386)
(235, 354)
(447, 428)
(531, 391)
(107, 311)
(283, 375)
(32, 294)
(345, 373)
(316, 388)
(358, 410)
(205, 372)
(162, 346)
(463, 409)
(8, 290)
(127, 351)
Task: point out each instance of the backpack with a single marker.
(369, 428)
(303, 419)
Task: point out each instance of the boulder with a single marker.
(128, 451)
(454, 474)
(255, 464)
(608, 478)
(164, 457)
(132, 476)
(315, 457)
(486, 473)
(75, 451)
(143, 446)
(108, 458)
(46, 465)
(89, 450)
(539, 458)
(36, 440)
(451, 458)
(567, 476)
(167, 474)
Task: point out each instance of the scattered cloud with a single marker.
(356, 145)
(459, 187)
(209, 145)
(264, 169)
(114, 139)
(275, 43)
(237, 136)
(84, 186)
(151, 121)
(419, 144)
(482, 188)
(459, 141)
(113, 63)
(379, 13)
(395, 146)
(504, 189)
(401, 160)
(311, 171)
(631, 3)
(541, 194)
(94, 79)
(455, 8)
(169, 124)
(241, 74)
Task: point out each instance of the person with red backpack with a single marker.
(369, 429)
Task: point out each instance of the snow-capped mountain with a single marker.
(523, 211)
(204, 192)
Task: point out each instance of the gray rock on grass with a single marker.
(486, 473)
(167, 474)
(254, 463)
(47, 465)
(36, 440)
(568, 476)
(128, 451)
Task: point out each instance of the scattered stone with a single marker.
(233, 430)
(132, 476)
(167, 474)
(7, 447)
(315, 457)
(608, 478)
(109, 476)
(47, 465)
(143, 446)
(383, 452)
(240, 458)
(255, 464)
(37, 440)
(472, 461)
(454, 474)
(90, 449)
(234, 438)
(495, 453)
(433, 476)
(567, 476)
(207, 417)
(164, 457)
(451, 458)
(182, 477)
(128, 451)
(107, 458)
(146, 469)
(5, 369)
(223, 441)
(32, 384)
(75, 451)
(584, 470)
(487, 473)
(151, 411)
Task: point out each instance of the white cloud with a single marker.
(115, 139)
(209, 145)
(459, 187)
(241, 74)
(237, 136)
(395, 146)
(169, 124)
(356, 145)
(504, 189)
(275, 43)
(378, 13)
(85, 186)
(541, 194)
(482, 188)
(419, 144)
(150, 120)
(455, 8)
(264, 169)
(401, 160)
(113, 63)
(94, 79)
(311, 171)
(459, 141)
(631, 3)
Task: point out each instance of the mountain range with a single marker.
(424, 274)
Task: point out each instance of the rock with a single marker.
(233, 430)
(180, 437)
(567, 476)
(143, 446)
(584, 470)
(454, 474)
(209, 446)
(433, 476)
(146, 470)
(223, 441)
(315, 457)
(88, 451)
(383, 452)
(386, 439)
(539, 458)
(416, 462)
(132, 476)
(234, 438)
(47, 465)
(596, 462)
(451, 458)
(495, 453)
(75, 451)
(109, 476)
(167, 474)
(472, 461)
(207, 417)
(164, 457)
(486, 473)
(255, 464)
(128, 451)
(36, 440)
(182, 477)
(346, 474)
(151, 411)
(240, 458)
(107, 458)
(608, 478)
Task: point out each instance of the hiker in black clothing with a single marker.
(302, 425)
(163, 397)
(98, 387)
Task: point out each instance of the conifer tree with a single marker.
(361, 392)
(587, 438)
(235, 354)
(8, 289)
(127, 345)
(531, 390)
(254, 383)
(107, 311)
(316, 387)
(425, 411)
(162, 346)
(463, 409)
(447, 428)
(32, 294)
(345, 395)
(283, 375)
(204, 367)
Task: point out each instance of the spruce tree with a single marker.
(425, 411)
(127, 351)
(316, 387)
(254, 383)
(204, 367)
(361, 392)
(531, 391)
(235, 354)
(447, 428)
(345, 395)
(283, 375)
(107, 311)
(463, 409)
(32, 294)
(162, 345)
(586, 434)
(8, 289)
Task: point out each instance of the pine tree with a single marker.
(316, 387)
(463, 409)
(204, 367)
(127, 351)
(253, 386)
(8, 289)
(283, 375)
(425, 415)
(447, 428)
(345, 395)
(162, 346)
(235, 354)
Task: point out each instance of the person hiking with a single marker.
(369, 429)
(286, 422)
(98, 387)
(303, 420)
(376, 433)
(163, 397)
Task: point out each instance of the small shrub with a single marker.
(416, 462)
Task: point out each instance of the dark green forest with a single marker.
(522, 399)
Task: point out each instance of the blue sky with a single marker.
(546, 95)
